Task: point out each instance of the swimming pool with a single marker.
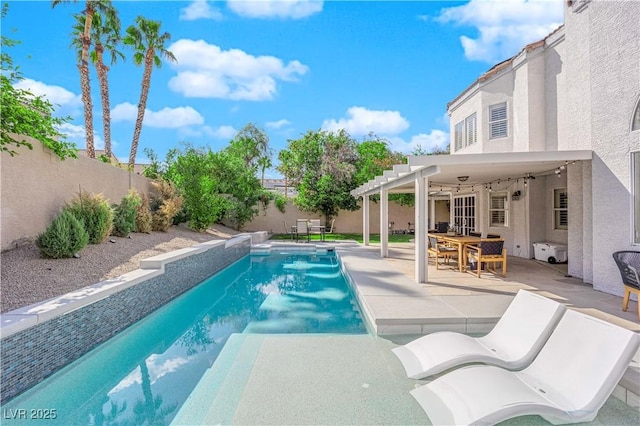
(145, 373)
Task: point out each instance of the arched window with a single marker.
(635, 124)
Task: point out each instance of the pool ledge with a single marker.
(23, 318)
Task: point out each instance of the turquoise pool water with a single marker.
(144, 374)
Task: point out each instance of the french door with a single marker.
(464, 213)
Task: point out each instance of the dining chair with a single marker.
(487, 252)
(441, 251)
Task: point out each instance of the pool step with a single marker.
(214, 399)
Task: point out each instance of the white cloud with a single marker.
(221, 132)
(278, 124)
(166, 118)
(55, 94)
(362, 121)
(283, 9)
(200, 9)
(78, 135)
(504, 27)
(427, 142)
(207, 71)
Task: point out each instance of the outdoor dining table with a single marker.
(461, 241)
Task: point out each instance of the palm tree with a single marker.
(85, 39)
(105, 35)
(146, 39)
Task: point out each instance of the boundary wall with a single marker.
(273, 220)
(40, 339)
(36, 185)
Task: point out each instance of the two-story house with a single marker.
(545, 147)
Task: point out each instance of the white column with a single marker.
(365, 220)
(421, 209)
(432, 213)
(384, 222)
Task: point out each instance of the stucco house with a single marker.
(545, 146)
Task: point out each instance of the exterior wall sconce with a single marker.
(463, 178)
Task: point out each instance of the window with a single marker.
(635, 124)
(498, 121)
(465, 132)
(560, 209)
(470, 129)
(459, 136)
(635, 173)
(498, 209)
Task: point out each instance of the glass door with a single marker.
(464, 213)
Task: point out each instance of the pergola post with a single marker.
(365, 220)
(421, 219)
(384, 222)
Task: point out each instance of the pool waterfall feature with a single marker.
(40, 339)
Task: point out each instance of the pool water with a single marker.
(144, 374)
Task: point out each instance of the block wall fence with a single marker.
(36, 184)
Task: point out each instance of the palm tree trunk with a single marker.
(102, 69)
(144, 94)
(88, 107)
(84, 81)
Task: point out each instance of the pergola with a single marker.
(449, 171)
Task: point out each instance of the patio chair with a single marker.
(512, 344)
(568, 382)
(475, 234)
(628, 263)
(488, 252)
(302, 230)
(441, 251)
(493, 235)
(289, 231)
(330, 231)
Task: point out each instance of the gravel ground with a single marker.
(27, 278)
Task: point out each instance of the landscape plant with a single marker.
(165, 204)
(95, 214)
(124, 218)
(143, 216)
(280, 201)
(64, 237)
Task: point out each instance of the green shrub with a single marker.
(64, 237)
(95, 214)
(143, 216)
(124, 218)
(280, 202)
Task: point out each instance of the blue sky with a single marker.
(287, 66)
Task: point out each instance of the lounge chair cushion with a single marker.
(513, 343)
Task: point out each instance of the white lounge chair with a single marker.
(568, 382)
(513, 343)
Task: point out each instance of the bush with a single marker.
(95, 214)
(164, 206)
(143, 216)
(280, 202)
(124, 219)
(64, 237)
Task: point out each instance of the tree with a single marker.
(22, 114)
(321, 165)
(252, 145)
(148, 42)
(105, 34)
(374, 157)
(91, 6)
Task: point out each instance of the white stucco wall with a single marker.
(605, 55)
